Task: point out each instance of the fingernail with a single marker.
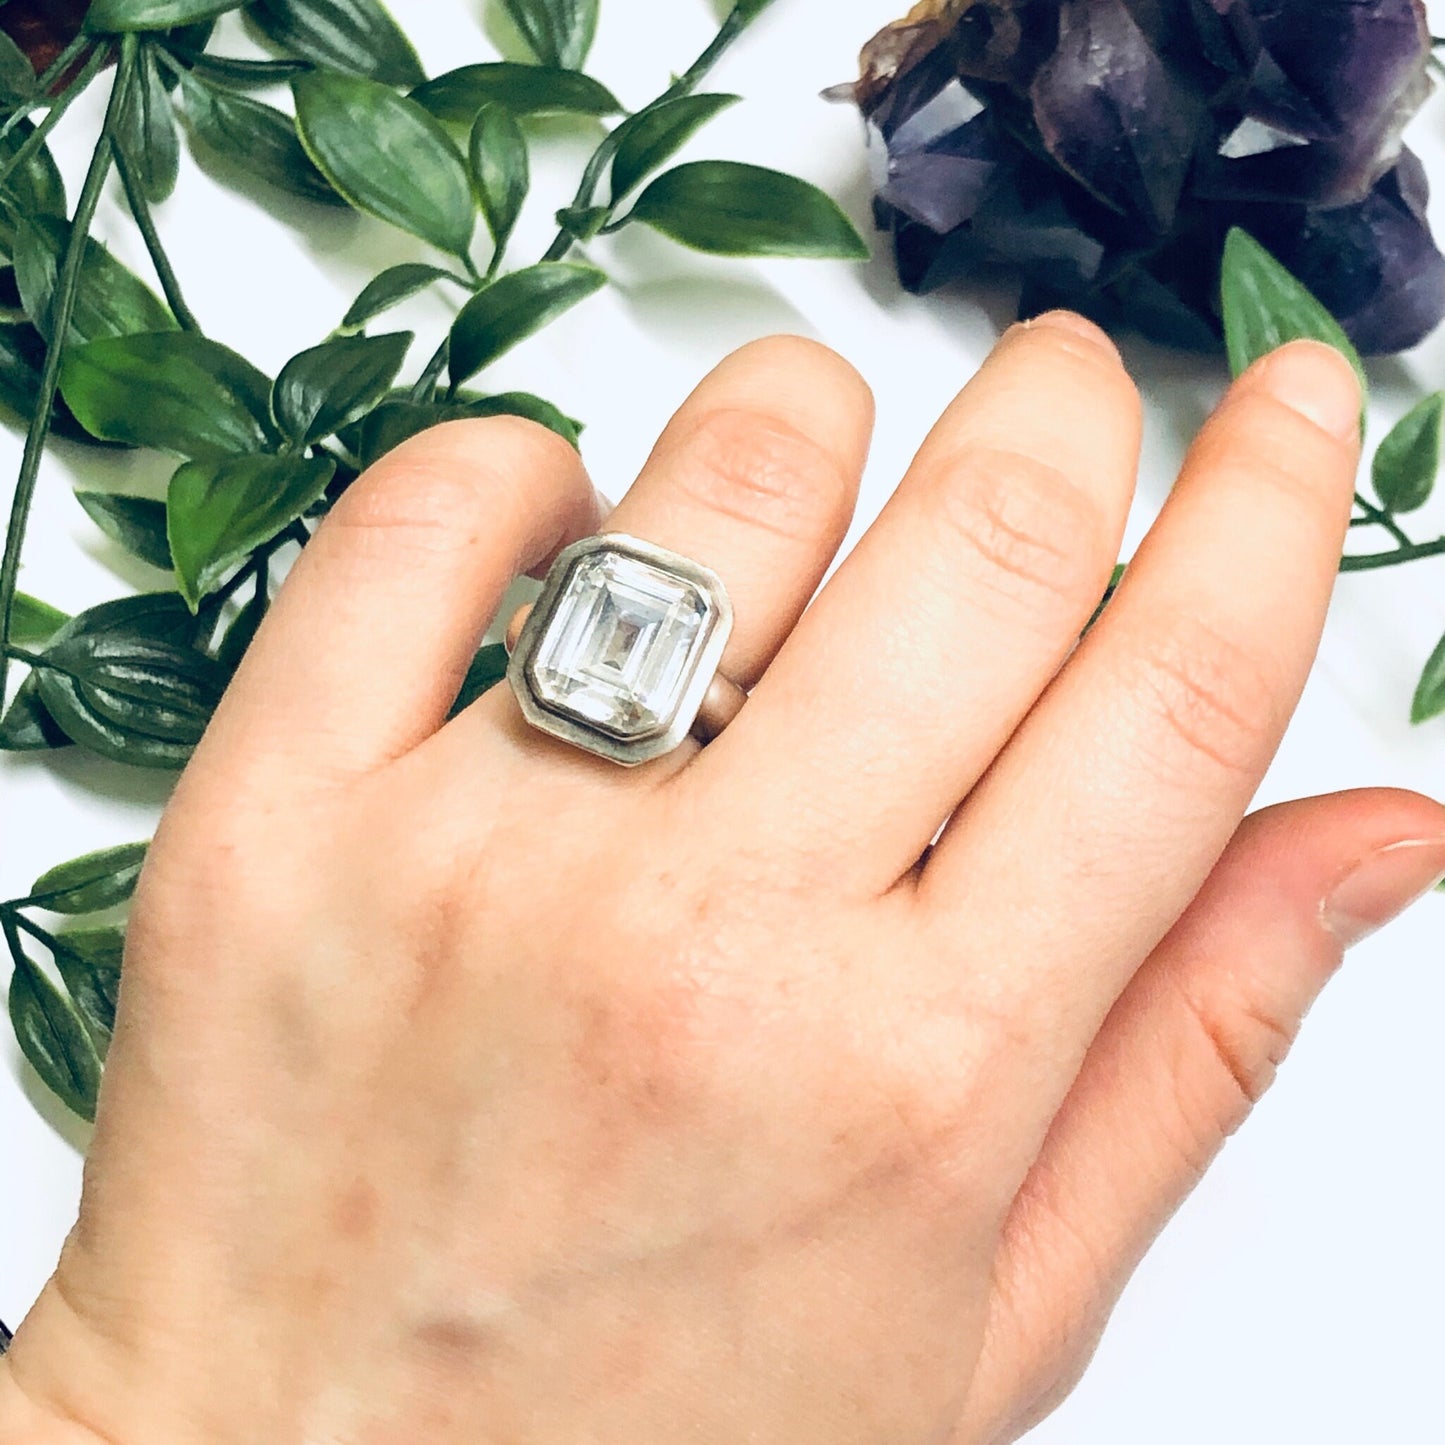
(1381, 887)
(605, 505)
(1316, 381)
(1076, 325)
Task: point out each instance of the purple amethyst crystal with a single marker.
(1103, 149)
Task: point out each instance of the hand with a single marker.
(470, 1089)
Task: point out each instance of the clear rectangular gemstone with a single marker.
(621, 645)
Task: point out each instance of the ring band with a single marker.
(620, 655)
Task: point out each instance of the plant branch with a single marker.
(1375, 561)
(140, 209)
(67, 288)
(37, 138)
(685, 84)
(1377, 517)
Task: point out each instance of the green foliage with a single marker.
(387, 155)
(327, 388)
(522, 89)
(646, 141)
(119, 16)
(136, 523)
(1408, 461)
(729, 209)
(501, 171)
(90, 884)
(358, 37)
(559, 32)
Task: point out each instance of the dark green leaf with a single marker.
(1408, 461)
(22, 355)
(221, 511)
(489, 667)
(176, 392)
(559, 32)
(390, 289)
(121, 681)
(90, 884)
(1265, 307)
(89, 961)
(334, 384)
(729, 209)
(242, 631)
(386, 155)
(512, 308)
(226, 70)
(137, 523)
(54, 1039)
(33, 622)
(394, 422)
(522, 89)
(1430, 695)
(35, 188)
(147, 131)
(747, 11)
(356, 36)
(117, 16)
(28, 726)
(648, 140)
(17, 76)
(501, 171)
(256, 138)
(112, 300)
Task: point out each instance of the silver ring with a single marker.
(620, 655)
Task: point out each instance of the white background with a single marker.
(1298, 1296)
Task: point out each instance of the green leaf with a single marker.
(394, 422)
(89, 961)
(648, 140)
(355, 36)
(512, 308)
(111, 17)
(137, 523)
(90, 884)
(1408, 461)
(17, 75)
(747, 11)
(34, 188)
(729, 209)
(501, 170)
(123, 681)
(257, 138)
(147, 131)
(242, 631)
(489, 667)
(22, 355)
(386, 155)
(1430, 695)
(522, 89)
(112, 299)
(221, 511)
(176, 392)
(391, 288)
(1265, 307)
(33, 622)
(334, 384)
(27, 726)
(559, 32)
(228, 71)
(53, 1037)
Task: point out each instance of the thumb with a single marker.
(1187, 1052)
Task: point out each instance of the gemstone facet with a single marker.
(619, 652)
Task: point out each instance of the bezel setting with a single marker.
(621, 647)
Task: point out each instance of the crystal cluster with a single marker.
(1103, 149)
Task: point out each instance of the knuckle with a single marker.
(766, 472)
(1243, 1044)
(1212, 697)
(1038, 538)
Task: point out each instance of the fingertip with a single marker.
(1314, 379)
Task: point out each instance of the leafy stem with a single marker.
(37, 137)
(67, 289)
(736, 22)
(1376, 517)
(1375, 561)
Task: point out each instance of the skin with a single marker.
(468, 1089)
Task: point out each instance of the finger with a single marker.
(1191, 1046)
(755, 477)
(1101, 819)
(938, 633)
(370, 637)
